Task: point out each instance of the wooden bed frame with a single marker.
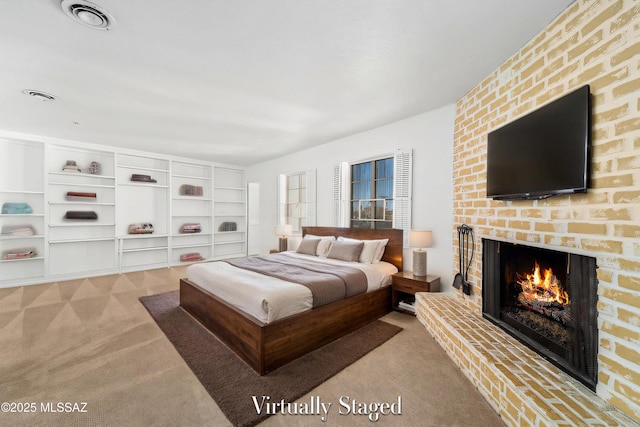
(267, 346)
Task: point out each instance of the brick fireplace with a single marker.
(547, 300)
(595, 43)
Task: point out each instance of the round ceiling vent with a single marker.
(88, 14)
(43, 96)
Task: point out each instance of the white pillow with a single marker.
(372, 250)
(383, 244)
(323, 246)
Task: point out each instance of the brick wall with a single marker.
(595, 42)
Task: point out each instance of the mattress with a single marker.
(268, 298)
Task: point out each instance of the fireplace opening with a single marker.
(547, 300)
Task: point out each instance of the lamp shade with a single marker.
(420, 238)
(282, 230)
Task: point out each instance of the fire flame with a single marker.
(547, 288)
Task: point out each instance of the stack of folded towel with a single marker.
(16, 208)
(190, 190)
(191, 227)
(17, 230)
(19, 253)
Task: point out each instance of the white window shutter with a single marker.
(310, 201)
(341, 195)
(402, 191)
(282, 199)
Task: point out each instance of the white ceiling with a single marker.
(244, 81)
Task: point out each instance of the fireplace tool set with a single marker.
(466, 250)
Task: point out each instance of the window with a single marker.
(382, 190)
(297, 204)
(372, 194)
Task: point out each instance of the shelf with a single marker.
(78, 184)
(142, 236)
(192, 198)
(142, 184)
(82, 175)
(82, 203)
(196, 245)
(205, 178)
(190, 234)
(9, 238)
(22, 192)
(229, 188)
(83, 224)
(153, 248)
(143, 168)
(99, 239)
(21, 215)
(35, 258)
(230, 242)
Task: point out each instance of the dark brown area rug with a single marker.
(232, 383)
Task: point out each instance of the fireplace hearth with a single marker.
(547, 300)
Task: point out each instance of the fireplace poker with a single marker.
(467, 251)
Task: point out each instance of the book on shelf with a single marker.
(77, 195)
(408, 304)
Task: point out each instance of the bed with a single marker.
(265, 346)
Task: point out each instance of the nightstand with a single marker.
(404, 283)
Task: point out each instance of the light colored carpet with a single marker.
(91, 341)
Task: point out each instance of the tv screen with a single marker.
(543, 153)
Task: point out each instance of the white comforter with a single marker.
(268, 298)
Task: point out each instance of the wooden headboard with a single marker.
(392, 253)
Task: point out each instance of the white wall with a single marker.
(430, 135)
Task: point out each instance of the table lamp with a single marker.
(420, 239)
(283, 230)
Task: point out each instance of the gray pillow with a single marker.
(308, 246)
(346, 251)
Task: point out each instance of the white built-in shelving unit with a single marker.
(230, 213)
(33, 172)
(191, 209)
(142, 202)
(80, 246)
(23, 184)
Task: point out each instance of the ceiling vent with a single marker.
(42, 96)
(88, 14)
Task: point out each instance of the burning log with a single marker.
(544, 295)
(551, 309)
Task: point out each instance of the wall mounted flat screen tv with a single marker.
(544, 153)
